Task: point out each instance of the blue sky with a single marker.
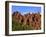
(26, 9)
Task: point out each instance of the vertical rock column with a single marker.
(24, 20)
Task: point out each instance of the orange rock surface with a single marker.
(30, 19)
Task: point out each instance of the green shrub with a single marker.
(18, 26)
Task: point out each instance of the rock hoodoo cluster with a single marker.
(33, 19)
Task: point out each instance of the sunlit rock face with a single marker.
(33, 20)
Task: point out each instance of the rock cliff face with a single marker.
(33, 20)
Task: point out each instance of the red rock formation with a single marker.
(33, 20)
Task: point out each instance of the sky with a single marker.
(26, 9)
